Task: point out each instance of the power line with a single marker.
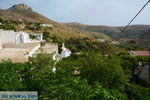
(135, 16)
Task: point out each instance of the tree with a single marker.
(136, 92)
(46, 36)
(10, 76)
(99, 78)
(93, 67)
(132, 42)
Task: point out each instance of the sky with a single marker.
(90, 12)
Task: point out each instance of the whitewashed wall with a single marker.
(7, 36)
(0, 40)
(22, 37)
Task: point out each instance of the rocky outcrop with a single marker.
(8, 15)
(20, 7)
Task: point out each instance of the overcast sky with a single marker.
(91, 12)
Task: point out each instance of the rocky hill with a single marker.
(23, 13)
(9, 15)
(20, 7)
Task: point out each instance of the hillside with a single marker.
(141, 33)
(23, 13)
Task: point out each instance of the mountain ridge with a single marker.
(24, 13)
(132, 32)
(61, 30)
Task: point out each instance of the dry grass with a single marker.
(60, 29)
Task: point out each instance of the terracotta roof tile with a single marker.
(141, 53)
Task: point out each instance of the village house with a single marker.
(139, 53)
(50, 49)
(46, 25)
(22, 37)
(101, 40)
(143, 72)
(38, 36)
(9, 36)
(19, 44)
(115, 43)
(65, 52)
(16, 46)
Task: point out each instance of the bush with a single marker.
(8, 27)
(46, 36)
(99, 78)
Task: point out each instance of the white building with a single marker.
(139, 53)
(46, 25)
(9, 36)
(101, 40)
(22, 37)
(38, 36)
(65, 52)
(115, 43)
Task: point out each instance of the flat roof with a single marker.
(49, 48)
(16, 52)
